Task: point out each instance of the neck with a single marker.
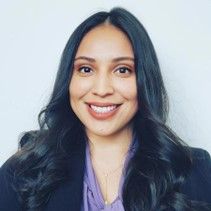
(111, 147)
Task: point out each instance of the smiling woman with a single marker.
(103, 84)
(103, 142)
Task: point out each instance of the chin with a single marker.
(100, 132)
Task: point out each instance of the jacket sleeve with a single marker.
(198, 184)
(8, 197)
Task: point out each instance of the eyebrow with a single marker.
(113, 60)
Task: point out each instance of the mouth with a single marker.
(102, 111)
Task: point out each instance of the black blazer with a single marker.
(68, 196)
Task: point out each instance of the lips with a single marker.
(99, 104)
(102, 111)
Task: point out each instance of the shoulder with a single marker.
(198, 153)
(201, 163)
(8, 196)
(197, 185)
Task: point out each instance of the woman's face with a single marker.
(103, 91)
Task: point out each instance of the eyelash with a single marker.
(86, 67)
(83, 67)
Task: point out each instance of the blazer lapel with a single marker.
(68, 196)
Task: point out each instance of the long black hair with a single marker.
(161, 161)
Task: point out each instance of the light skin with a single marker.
(104, 72)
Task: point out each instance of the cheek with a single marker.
(127, 89)
(78, 88)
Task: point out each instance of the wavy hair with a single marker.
(161, 161)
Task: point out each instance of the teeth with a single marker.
(103, 109)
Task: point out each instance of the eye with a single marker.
(84, 70)
(123, 71)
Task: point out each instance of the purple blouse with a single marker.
(92, 196)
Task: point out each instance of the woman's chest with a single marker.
(109, 184)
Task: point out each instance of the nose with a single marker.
(102, 86)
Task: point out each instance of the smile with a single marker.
(105, 109)
(102, 111)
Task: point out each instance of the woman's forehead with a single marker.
(105, 41)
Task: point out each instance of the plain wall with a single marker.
(33, 34)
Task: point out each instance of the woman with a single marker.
(103, 142)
